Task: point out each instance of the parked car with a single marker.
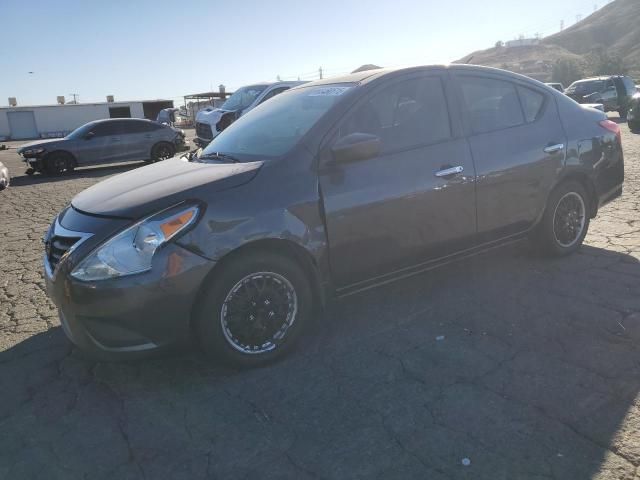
(103, 141)
(210, 122)
(4, 177)
(633, 117)
(329, 189)
(614, 92)
(557, 86)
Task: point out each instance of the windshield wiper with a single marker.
(219, 156)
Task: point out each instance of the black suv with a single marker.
(614, 92)
(633, 117)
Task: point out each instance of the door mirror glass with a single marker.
(355, 147)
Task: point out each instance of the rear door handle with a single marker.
(447, 172)
(554, 148)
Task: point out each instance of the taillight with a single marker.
(611, 126)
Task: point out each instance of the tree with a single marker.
(567, 71)
(600, 62)
(499, 44)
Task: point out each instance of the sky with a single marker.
(148, 49)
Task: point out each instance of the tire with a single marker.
(57, 163)
(634, 127)
(162, 151)
(563, 227)
(258, 284)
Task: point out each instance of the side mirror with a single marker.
(356, 147)
(89, 135)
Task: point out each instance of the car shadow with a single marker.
(527, 367)
(83, 172)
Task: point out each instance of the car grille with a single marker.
(56, 248)
(203, 130)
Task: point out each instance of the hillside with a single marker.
(614, 27)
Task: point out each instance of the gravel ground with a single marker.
(508, 366)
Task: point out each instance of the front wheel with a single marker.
(162, 151)
(566, 219)
(254, 309)
(57, 163)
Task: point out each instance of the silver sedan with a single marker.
(103, 141)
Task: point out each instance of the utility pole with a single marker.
(75, 97)
(561, 25)
(578, 18)
(320, 72)
(278, 78)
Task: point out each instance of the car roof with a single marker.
(106, 120)
(371, 75)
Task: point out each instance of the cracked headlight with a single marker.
(131, 251)
(33, 151)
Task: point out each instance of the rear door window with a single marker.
(140, 127)
(406, 114)
(532, 103)
(490, 104)
(107, 129)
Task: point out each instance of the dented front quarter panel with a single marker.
(282, 203)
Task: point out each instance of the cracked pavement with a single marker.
(537, 376)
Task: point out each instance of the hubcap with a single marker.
(258, 312)
(59, 164)
(164, 153)
(569, 219)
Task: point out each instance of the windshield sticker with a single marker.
(329, 92)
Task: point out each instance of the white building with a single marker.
(48, 121)
(522, 42)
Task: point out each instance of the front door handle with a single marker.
(449, 171)
(554, 148)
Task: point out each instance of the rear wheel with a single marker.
(566, 219)
(162, 151)
(254, 310)
(57, 163)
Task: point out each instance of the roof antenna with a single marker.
(468, 60)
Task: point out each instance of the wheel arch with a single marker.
(64, 152)
(278, 246)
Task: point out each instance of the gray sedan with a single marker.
(103, 141)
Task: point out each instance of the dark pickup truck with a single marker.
(614, 92)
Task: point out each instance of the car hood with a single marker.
(147, 189)
(39, 143)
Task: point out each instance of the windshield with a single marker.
(275, 127)
(80, 132)
(585, 88)
(243, 97)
